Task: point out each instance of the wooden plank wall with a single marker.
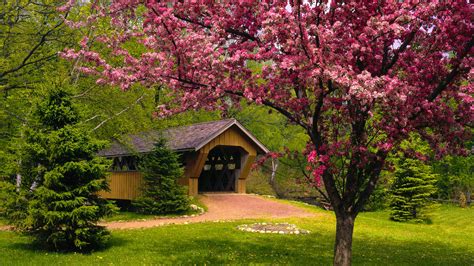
(231, 137)
(123, 185)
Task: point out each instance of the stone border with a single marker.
(193, 207)
(287, 229)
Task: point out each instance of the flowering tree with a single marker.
(358, 76)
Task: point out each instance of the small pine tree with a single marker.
(411, 190)
(161, 192)
(62, 176)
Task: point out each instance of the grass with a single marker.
(448, 241)
(133, 216)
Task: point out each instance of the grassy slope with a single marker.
(448, 241)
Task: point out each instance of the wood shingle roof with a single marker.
(184, 138)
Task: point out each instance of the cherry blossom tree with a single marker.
(358, 76)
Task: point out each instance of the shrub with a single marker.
(13, 203)
(378, 199)
(411, 191)
(257, 183)
(161, 193)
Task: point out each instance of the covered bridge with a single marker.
(217, 156)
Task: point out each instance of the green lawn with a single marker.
(131, 216)
(448, 241)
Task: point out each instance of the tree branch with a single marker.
(375, 168)
(298, 11)
(452, 75)
(228, 30)
(281, 110)
(119, 113)
(33, 50)
(385, 68)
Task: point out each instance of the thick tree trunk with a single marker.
(343, 247)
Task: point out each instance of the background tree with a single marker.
(161, 192)
(412, 191)
(62, 178)
(358, 77)
(456, 176)
(31, 35)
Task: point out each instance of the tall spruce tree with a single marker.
(161, 192)
(62, 176)
(413, 186)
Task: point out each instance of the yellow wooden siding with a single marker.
(241, 186)
(231, 137)
(123, 185)
(246, 168)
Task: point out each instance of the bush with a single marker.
(378, 200)
(257, 183)
(161, 193)
(61, 178)
(411, 191)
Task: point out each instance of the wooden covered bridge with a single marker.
(217, 156)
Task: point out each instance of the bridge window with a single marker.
(124, 163)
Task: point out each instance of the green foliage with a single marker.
(270, 127)
(379, 200)
(61, 178)
(456, 174)
(13, 205)
(161, 193)
(57, 111)
(31, 34)
(411, 191)
(258, 183)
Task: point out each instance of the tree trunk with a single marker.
(18, 182)
(274, 169)
(343, 247)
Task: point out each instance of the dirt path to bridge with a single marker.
(225, 207)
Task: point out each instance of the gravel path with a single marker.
(225, 207)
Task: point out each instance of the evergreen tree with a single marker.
(413, 186)
(62, 176)
(161, 192)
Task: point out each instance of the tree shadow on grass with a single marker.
(376, 251)
(29, 245)
(313, 249)
(246, 248)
